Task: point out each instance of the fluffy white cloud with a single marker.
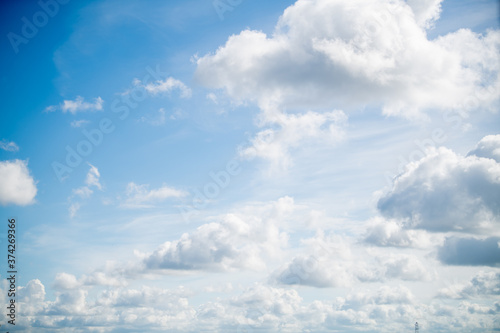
(308, 270)
(34, 291)
(73, 310)
(470, 251)
(446, 192)
(425, 11)
(274, 144)
(235, 241)
(72, 303)
(8, 145)
(140, 196)
(65, 281)
(331, 53)
(16, 184)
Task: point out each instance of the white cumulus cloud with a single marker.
(446, 192)
(334, 53)
(235, 241)
(17, 186)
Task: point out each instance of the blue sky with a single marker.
(280, 166)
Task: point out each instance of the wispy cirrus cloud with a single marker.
(84, 192)
(8, 145)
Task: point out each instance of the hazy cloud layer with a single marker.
(258, 308)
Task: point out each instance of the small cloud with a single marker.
(93, 177)
(159, 87)
(212, 97)
(77, 105)
(8, 145)
(73, 209)
(84, 192)
(50, 108)
(80, 105)
(140, 196)
(167, 86)
(178, 114)
(160, 120)
(79, 123)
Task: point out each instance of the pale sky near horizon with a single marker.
(251, 166)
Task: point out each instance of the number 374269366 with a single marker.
(11, 238)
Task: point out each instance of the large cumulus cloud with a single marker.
(235, 241)
(447, 192)
(331, 53)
